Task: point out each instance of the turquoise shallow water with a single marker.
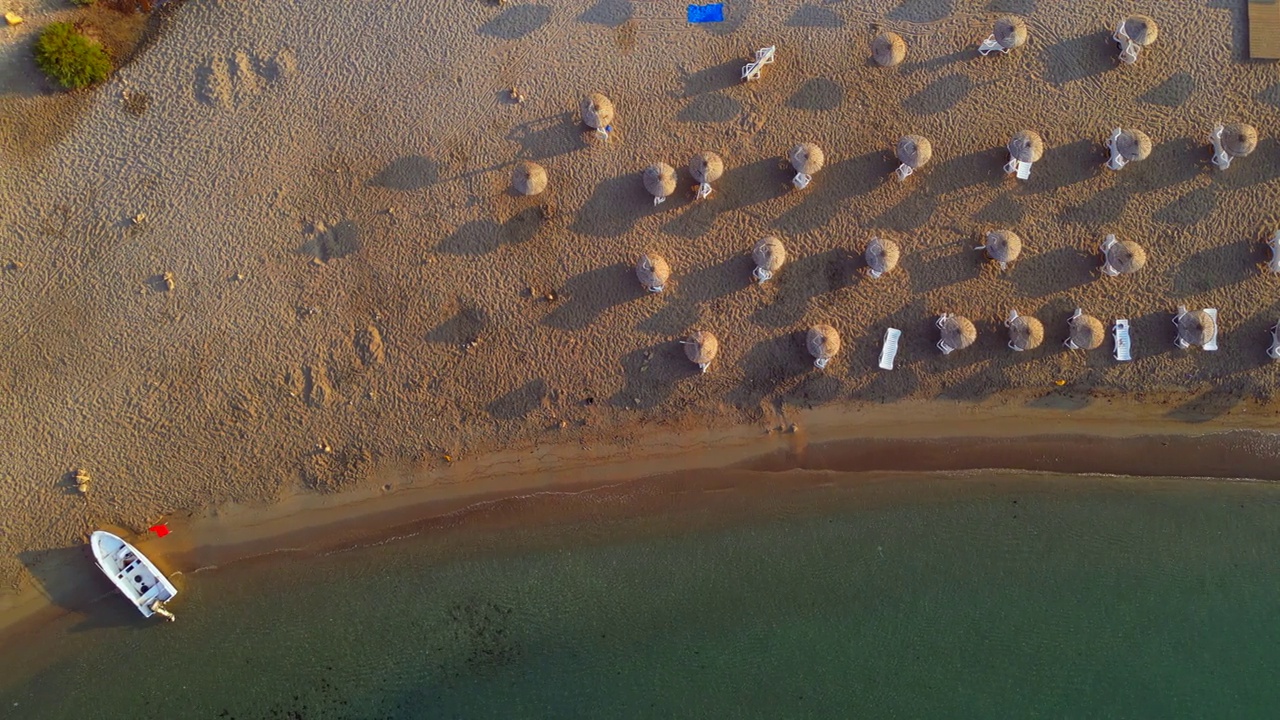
(959, 597)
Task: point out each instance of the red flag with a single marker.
(160, 530)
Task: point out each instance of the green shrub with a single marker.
(71, 58)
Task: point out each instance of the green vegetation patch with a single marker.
(71, 58)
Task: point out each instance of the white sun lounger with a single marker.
(889, 350)
(1124, 350)
(904, 171)
(1070, 345)
(1212, 344)
(1177, 340)
(1273, 352)
(1274, 243)
(801, 181)
(1022, 169)
(1220, 157)
(764, 56)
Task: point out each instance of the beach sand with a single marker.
(356, 304)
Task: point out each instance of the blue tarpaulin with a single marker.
(706, 13)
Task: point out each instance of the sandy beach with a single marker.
(271, 275)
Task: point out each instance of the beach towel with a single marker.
(706, 13)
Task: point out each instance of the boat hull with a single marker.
(133, 574)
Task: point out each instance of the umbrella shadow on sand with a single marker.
(616, 204)
(1080, 57)
(1046, 273)
(651, 374)
(1067, 164)
(757, 182)
(406, 173)
(1224, 396)
(519, 403)
(681, 311)
(767, 366)
(609, 13)
(547, 137)
(480, 237)
(1215, 268)
(835, 184)
(798, 282)
(589, 294)
(516, 21)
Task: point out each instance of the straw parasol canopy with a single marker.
(823, 342)
(1239, 139)
(1010, 32)
(1196, 327)
(1026, 333)
(807, 158)
(529, 178)
(1026, 146)
(914, 151)
(1141, 29)
(1087, 332)
(597, 111)
(958, 332)
(888, 49)
(1003, 246)
(706, 167)
(882, 255)
(1133, 145)
(701, 347)
(652, 270)
(659, 179)
(769, 254)
(1126, 256)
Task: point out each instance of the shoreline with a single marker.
(910, 437)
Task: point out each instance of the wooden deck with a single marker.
(1264, 29)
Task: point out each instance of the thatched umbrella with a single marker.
(660, 181)
(913, 151)
(701, 348)
(888, 49)
(806, 159)
(706, 168)
(1140, 29)
(958, 333)
(1196, 328)
(652, 271)
(1239, 139)
(1026, 146)
(823, 343)
(1025, 333)
(1124, 256)
(1010, 32)
(597, 113)
(769, 255)
(1086, 332)
(882, 256)
(1003, 246)
(529, 178)
(1132, 145)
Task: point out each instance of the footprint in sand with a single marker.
(233, 80)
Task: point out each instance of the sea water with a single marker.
(978, 596)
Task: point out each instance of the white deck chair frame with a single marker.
(764, 56)
(1106, 245)
(1068, 343)
(1221, 158)
(1117, 161)
(1015, 166)
(1128, 48)
(990, 45)
(1274, 243)
(1273, 352)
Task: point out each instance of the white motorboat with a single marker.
(133, 574)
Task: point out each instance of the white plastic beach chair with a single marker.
(1068, 342)
(1274, 244)
(1123, 351)
(801, 181)
(1273, 352)
(941, 322)
(764, 56)
(1023, 169)
(889, 350)
(1128, 48)
(704, 191)
(1107, 242)
(1117, 160)
(761, 275)
(1013, 315)
(821, 363)
(1177, 316)
(1220, 157)
(904, 171)
(1212, 343)
(990, 45)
